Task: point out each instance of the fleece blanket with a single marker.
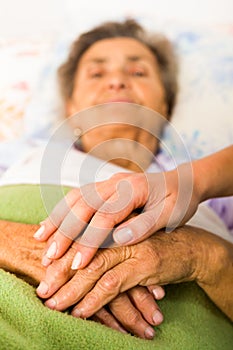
(191, 320)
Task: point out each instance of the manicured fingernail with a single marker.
(158, 293)
(52, 250)
(149, 333)
(46, 261)
(43, 288)
(123, 235)
(39, 232)
(51, 303)
(77, 261)
(157, 317)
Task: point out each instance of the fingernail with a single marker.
(52, 250)
(77, 261)
(43, 288)
(149, 333)
(123, 235)
(158, 293)
(46, 261)
(39, 232)
(157, 317)
(51, 303)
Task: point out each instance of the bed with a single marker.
(30, 108)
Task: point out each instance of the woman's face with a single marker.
(117, 70)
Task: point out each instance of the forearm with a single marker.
(213, 175)
(19, 252)
(215, 272)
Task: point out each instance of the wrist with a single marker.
(20, 253)
(200, 181)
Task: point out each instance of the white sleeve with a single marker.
(207, 219)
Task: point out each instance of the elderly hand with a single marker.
(135, 311)
(186, 254)
(167, 199)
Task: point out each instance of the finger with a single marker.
(113, 282)
(104, 317)
(51, 223)
(91, 197)
(45, 261)
(130, 317)
(157, 291)
(145, 303)
(56, 275)
(64, 291)
(140, 227)
(113, 211)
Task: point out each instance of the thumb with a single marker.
(141, 227)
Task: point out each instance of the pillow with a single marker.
(203, 113)
(30, 104)
(22, 65)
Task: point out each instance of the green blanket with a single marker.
(191, 319)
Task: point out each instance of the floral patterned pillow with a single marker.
(30, 104)
(21, 63)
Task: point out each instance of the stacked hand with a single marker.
(95, 211)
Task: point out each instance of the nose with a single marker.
(117, 81)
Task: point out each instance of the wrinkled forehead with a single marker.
(116, 49)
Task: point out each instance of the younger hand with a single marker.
(102, 209)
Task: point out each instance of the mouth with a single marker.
(119, 99)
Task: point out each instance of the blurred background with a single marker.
(37, 17)
(35, 36)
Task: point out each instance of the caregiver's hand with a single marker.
(168, 199)
(186, 254)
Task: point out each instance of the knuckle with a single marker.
(149, 220)
(105, 213)
(132, 317)
(142, 296)
(72, 293)
(57, 273)
(60, 268)
(96, 265)
(110, 282)
(93, 301)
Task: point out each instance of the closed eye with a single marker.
(138, 73)
(96, 75)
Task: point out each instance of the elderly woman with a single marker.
(118, 62)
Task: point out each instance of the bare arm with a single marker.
(214, 174)
(19, 253)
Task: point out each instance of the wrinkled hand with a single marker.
(170, 258)
(135, 311)
(21, 254)
(168, 200)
